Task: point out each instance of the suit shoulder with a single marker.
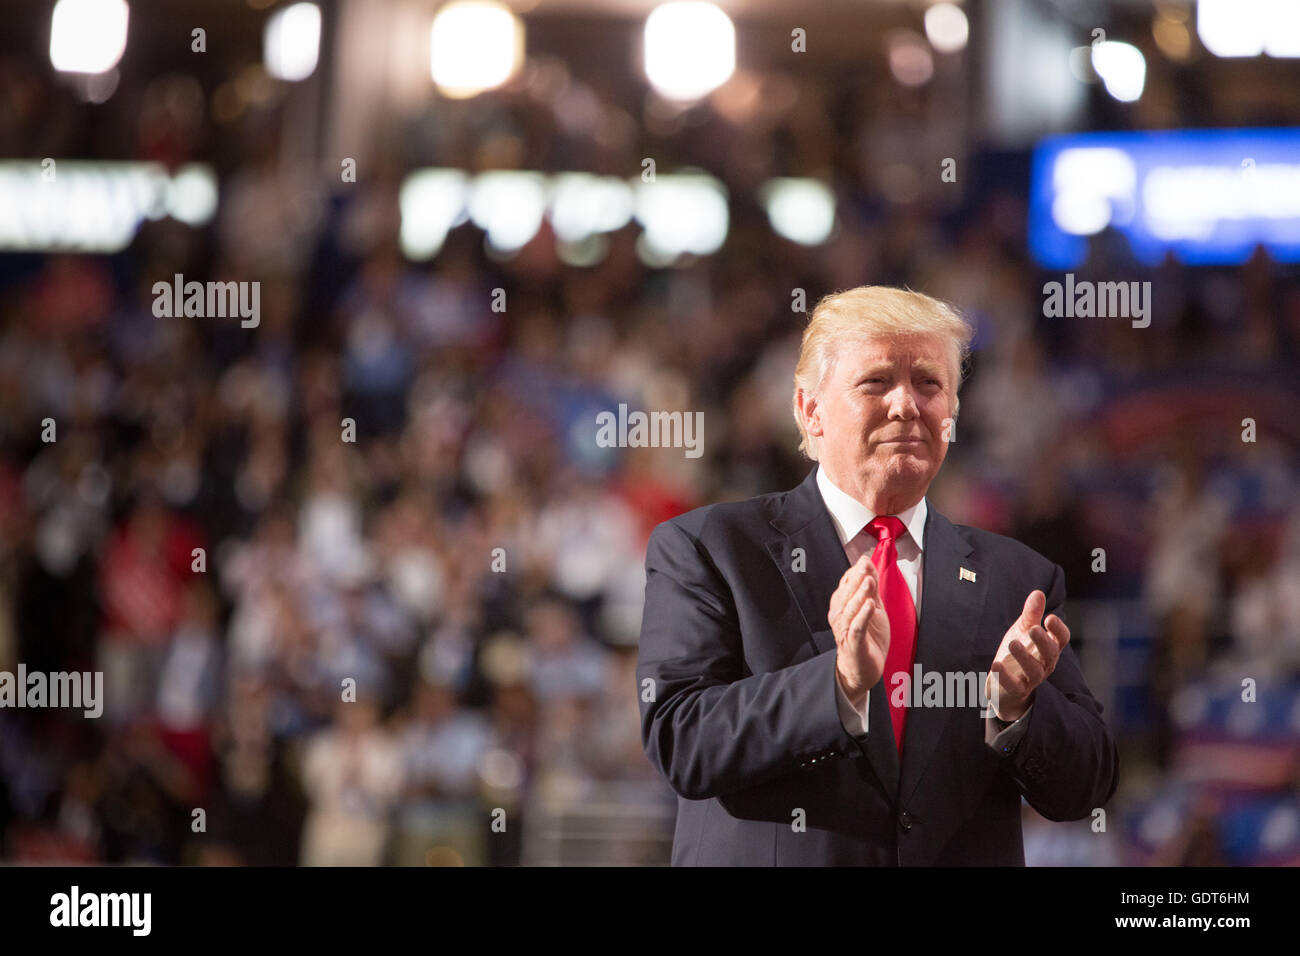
(1000, 547)
(722, 520)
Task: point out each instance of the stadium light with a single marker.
(432, 201)
(192, 195)
(946, 27)
(583, 205)
(1236, 28)
(1282, 30)
(475, 46)
(508, 205)
(97, 206)
(690, 49)
(681, 213)
(1230, 27)
(1122, 68)
(291, 42)
(801, 210)
(88, 36)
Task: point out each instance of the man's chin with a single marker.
(910, 466)
(908, 456)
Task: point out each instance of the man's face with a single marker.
(882, 418)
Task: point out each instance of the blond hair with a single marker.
(874, 311)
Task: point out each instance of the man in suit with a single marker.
(784, 636)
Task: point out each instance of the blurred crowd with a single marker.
(404, 642)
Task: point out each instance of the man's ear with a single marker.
(811, 412)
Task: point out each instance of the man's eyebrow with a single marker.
(875, 368)
(928, 367)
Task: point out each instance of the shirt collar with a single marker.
(850, 516)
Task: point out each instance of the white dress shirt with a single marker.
(851, 518)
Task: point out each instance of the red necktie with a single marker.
(902, 613)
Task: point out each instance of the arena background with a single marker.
(185, 507)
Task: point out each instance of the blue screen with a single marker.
(1208, 196)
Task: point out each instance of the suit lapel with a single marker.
(812, 561)
(809, 556)
(950, 610)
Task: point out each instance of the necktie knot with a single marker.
(886, 527)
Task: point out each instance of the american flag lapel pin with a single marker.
(966, 574)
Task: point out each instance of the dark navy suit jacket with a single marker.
(740, 711)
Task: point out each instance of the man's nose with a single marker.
(902, 403)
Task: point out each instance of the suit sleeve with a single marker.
(709, 726)
(1066, 763)
(1004, 740)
